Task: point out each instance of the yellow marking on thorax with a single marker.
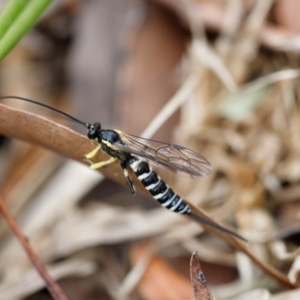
(109, 145)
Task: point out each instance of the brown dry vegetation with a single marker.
(219, 77)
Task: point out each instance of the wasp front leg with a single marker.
(94, 152)
(129, 182)
(102, 163)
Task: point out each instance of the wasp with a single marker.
(135, 153)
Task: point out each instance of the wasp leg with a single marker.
(94, 152)
(103, 163)
(129, 182)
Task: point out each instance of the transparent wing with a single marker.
(173, 157)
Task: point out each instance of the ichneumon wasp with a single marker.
(135, 152)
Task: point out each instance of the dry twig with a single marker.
(54, 289)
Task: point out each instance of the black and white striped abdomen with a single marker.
(157, 187)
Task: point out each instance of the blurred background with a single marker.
(218, 77)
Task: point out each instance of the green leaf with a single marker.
(10, 13)
(17, 18)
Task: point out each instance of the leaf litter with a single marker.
(241, 112)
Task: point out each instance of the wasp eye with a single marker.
(94, 131)
(92, 134)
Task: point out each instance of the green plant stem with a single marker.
(10, 14)
(18, 17)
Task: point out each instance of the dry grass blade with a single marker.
(54, 289)
(172, 106)
(30, 282)
(201, 290)
(213, 17)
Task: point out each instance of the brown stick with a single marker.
(52, 286)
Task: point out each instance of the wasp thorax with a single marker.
(94, 130)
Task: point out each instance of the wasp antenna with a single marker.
(47, 106)
(215, 225)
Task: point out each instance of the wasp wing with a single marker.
(173, 157)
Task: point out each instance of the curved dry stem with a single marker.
(62, 140)
(241, 246)
(53, 136)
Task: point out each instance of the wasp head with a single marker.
(94, 131)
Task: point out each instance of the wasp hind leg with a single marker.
(129, 182)
(103, 163)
